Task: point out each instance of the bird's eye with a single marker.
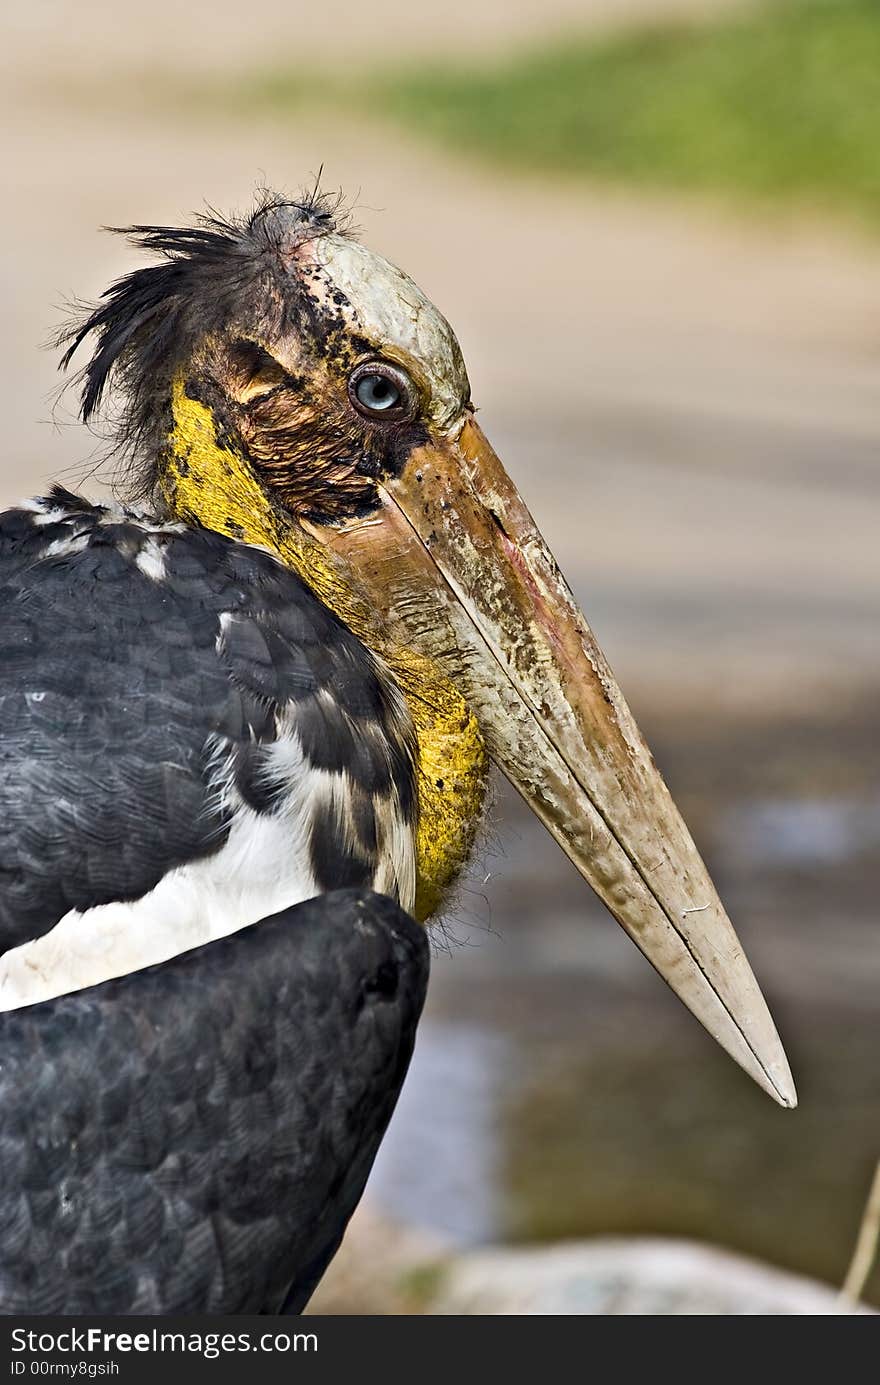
(377, 393)
(380, 391)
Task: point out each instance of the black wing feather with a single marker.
(193, 1138)
(116, 688)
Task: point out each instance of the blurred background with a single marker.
(655, 226)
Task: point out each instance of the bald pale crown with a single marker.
(393, 312)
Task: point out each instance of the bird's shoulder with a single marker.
(153, 678)
(61, 548)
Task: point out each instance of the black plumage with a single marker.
(194, 1137)
(140, 667)
(149, 321)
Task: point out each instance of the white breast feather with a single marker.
(263, 867)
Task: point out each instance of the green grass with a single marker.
(778, 104)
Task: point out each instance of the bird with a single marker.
(279, 667)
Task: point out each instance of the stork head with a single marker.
(286, 385)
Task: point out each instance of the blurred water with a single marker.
(559, 1089)
(808, 832)
(439, 1165)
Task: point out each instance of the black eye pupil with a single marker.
(377, 392)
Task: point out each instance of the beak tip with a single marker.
(784, 1091)
(774, 1076)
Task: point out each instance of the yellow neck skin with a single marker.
(203, 482)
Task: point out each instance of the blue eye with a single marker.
(377, 393)
(381, 391)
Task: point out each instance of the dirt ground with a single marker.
(222, 37)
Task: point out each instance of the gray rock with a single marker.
(629, 1277)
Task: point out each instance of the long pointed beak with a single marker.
(471, 582)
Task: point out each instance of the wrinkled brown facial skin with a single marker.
(293, 419)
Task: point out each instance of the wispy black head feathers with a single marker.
(148, 321)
